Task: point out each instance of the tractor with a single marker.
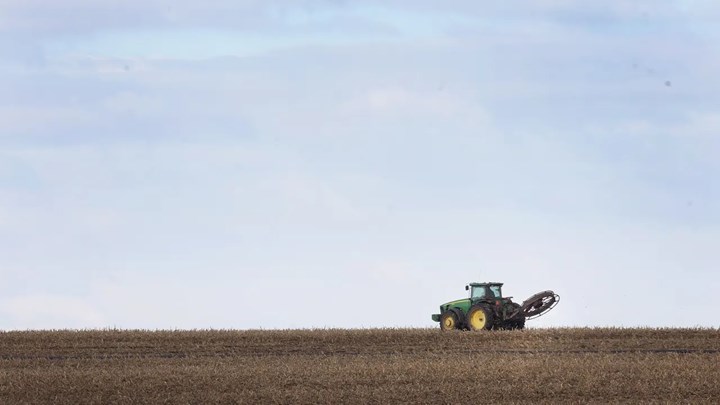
(486, 308)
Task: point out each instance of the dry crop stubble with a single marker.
(360, 366)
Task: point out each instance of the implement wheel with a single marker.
(517, 319)
(479, 318)
(515, 324)
(448, 321)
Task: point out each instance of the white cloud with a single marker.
(306, 194)
(16, 121)
(398, 100)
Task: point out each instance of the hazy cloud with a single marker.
(242, 164)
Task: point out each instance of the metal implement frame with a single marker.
(539, 304)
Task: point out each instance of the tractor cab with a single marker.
(488, 291)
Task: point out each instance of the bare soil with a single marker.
(360, 366)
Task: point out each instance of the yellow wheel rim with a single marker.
(449, 322)
(477, 319)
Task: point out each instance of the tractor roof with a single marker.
(483, 284)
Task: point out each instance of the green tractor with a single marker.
(486, 308)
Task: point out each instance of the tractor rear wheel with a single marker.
(448, 321)
(479, 318)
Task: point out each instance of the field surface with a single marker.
(360, 366)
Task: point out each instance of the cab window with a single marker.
(478, 292)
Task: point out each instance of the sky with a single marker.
(313, 164)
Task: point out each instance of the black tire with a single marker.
(449, 321)
(479, 318)
(517, 322)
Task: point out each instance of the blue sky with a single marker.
(353, 164)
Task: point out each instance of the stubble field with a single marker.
(360, 366)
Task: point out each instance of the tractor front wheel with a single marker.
(448, 321)
(479, 318)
